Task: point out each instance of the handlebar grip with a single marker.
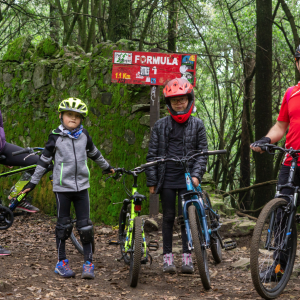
(104, 172)
(216, 152)
(26, 150)
(149, 164)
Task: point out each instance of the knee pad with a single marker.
(86, 231)
(63, 228)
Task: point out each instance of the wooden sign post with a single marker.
(154, 69)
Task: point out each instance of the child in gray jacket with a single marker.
(69, 146)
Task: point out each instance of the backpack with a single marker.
(288, 94)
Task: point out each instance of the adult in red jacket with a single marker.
(289, 117)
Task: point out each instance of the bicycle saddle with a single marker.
(136, 195)
(2, 157)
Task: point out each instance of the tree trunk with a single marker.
(245, 138)
(118, 20)
(263, 98)
(54, 26)
(172, 25)
(145, 29)
(92, 27)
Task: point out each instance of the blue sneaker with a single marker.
(88, 271)
(63, 269)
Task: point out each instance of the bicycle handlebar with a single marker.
(272, 147)
(26, 150)
(153, 163)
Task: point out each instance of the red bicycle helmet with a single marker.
(179, 87)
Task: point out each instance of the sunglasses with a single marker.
(181, 100)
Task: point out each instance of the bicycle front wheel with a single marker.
(215, 244)
(136, 253)
(271, 260)
(123, 225)
(75, 239)
(198, 242)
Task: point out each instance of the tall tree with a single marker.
(172, 24)
(118, 20)
(263, 97)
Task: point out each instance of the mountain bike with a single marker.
(200, 220)
(274, 241)
(132, 238)
(6, 213)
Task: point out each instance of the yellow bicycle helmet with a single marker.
(73, 104)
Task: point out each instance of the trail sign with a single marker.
(152, 68)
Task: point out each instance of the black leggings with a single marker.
(17, 160)
(168, 200)
(82, 208)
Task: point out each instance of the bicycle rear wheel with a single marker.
(215, 244)
(271, 267)
(200, 251)
(136, 254)
(123, 225)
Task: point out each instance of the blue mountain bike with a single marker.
(200, 220)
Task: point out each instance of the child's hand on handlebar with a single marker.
(195, 181)
(112, 171)
(152, 189)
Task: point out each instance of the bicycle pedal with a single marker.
(153, 246)
(229, 245)
(113, 242)
(180, 220)
(298, 219)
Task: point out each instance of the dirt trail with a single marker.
(29, 272)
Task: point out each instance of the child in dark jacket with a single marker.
(175, 136)
(70, 145)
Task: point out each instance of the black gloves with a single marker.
(29, 185)
(263, 140)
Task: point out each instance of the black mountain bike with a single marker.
(274, 241)
(6, 213)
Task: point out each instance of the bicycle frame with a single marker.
(133, 214)
(292, 205)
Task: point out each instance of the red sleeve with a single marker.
(284, 113)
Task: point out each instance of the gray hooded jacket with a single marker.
(71, 172)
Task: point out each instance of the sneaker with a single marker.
(272, 273)
(4, 251)
(25, 206)
(88, 271)
(63, 269)
(187, 266)
(169, 266)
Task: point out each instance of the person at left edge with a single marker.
(70, 145)
(6, 149)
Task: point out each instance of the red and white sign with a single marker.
(152, 68)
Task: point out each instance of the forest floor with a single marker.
(29, 272)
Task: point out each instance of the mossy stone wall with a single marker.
(31, 86)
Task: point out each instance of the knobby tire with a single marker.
(135, 257)
(215, 244)
(198, 240)
(272, 206)
(123, 222)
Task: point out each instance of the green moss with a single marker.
(17, 49)
(47, 48)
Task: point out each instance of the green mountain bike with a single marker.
(132, 239)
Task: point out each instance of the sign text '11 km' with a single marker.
(152, 68)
